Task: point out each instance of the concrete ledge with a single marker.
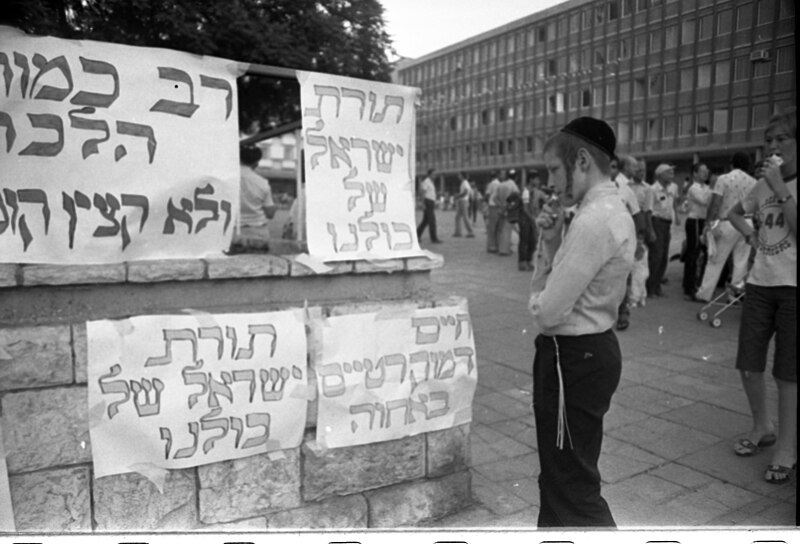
(8, 275)
(48, 274)
(177, 270)
(247, 266)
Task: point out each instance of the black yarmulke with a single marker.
(593, 131)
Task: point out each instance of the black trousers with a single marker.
(569, 482)
(428, 220)
(527, 239)
(692, 267)
(658, 255)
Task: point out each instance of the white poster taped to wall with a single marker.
(104, 152)
(394, 373)
(359, 144)
(189, 390)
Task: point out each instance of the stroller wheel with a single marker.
(702, 316)
(716, 322)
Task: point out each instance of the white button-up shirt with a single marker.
(585, 276)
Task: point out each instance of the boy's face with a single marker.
(779, 141)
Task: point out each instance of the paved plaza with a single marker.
(667, 458)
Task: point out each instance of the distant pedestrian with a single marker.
(665, 203)
(493, 211)
(526, 228)
(730, 189)
(428, 190)
(698, 197)
(502, 231)
(577, 285)
(632, 205)
(462, 206)
(770, 302)
(474, 200)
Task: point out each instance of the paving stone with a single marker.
(46, 428)
(249, 487)
(619, 416)
(709, 419)
(640, 372)
(50, 501)
(682, 475)
(498, 500)
(521, 430)
(482, 414)
(35, 357)
(501, 403)
(649, 400)
(510, 468)
(619, 460)
(350, 512)
(499, 442)
(413, 502)
(344, 471)
(130, 502)
(664, 438)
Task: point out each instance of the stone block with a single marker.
(247, 266)
(249, 487)
(8, 275)
(384, 266)
(130, 502)
(345, 471)
(80, 352)
(348, 512)
(299, 269)
(420, 264)
(241, 526)
(415, 502)
(52, 500)
(46, 428)
(35, 357)
(166, 270)
(447, 451)
(49, 274)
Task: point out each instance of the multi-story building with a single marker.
(678, 80)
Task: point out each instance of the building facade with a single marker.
(678, 80)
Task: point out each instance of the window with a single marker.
(501, 148)
(599, 57)
(611, 94)
(612, 51)
(722, 72)
(744, 17)
(540, 106)
(687, 79)
(652, 129)
(687, 32)
(654, 85)
(555, 103)
(641, 5)
(761, 69)
(655, 41)
(585, 58)
(541, 34)
(562, 27)
(586, 98)
(623, 132)
(761, 115)
(640, 45)
(624, 49)
(703, 123)
(671, 37)
(551, 30)
(485, 117)
(613, 10)
(552, 67)
(766, 11)
(668, 127)
(741, 68)
(529, 144)
(586, 19)
(639, 88)
(739, 119)
(705, 27)
(502, 114)
(510, 44)
(574, 23)
(624, 91)
(704, 76)
(597, 93)
(540, 70)
(573, 63)
(724, 22)
(787, 9)
(599, 14)
(574, 102)
(784, 60)
(720, 121)
(685, 125)
(638, 131)
(627, 7)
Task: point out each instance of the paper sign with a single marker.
(112, 153)
(7, 524)
(386, 376)
(180, 391)
(359, 167)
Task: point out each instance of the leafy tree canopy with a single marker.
(345, 37)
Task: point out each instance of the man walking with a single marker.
(576, 288)
(428, 190)
(698, 197)
(665, 203)
(462, 206)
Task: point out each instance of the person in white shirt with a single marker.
(730, 189)
(256, 206)
(578, 282)
(493, 214)
(664, 210)
(462, 206)
(770, 301)
(428, 190)
(698, 197)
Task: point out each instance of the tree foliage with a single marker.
(345, 37)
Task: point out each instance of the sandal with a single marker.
(778, 474)
(747, 448)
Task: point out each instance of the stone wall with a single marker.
(43, 404)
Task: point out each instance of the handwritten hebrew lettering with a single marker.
(222, 85)
(171, 336)
(166, 435)
(248, 375)
(219, 388)
(172, 107)
(443, 369)
(46, 149)
(463, 318)
(145, 405)
(138, 131)
(322, 91)
(49, 92)
(212, 333)
(418, 357)
(406, 229)
(443, 396)
(326, 371)
(361, 143)
(194, 430)
(22, 61)
(339, 152)
(254, 330)
(352, 186)
(467, 352)
(238, 427)
(378, 194)
(205, 204)
(69, 204)
(389, 101)
(369, 227)
(114, 387)
(11, 133)
(92, 145)
(182, 215)
(8, 72)
(357, 94)
(366, 408)
(384, 154)
(317, 141)
(273, 382)
(430, 337)
(210, 424)
(253, 421)
(95, 99)
(192, 377)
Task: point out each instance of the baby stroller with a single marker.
(731, 296)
